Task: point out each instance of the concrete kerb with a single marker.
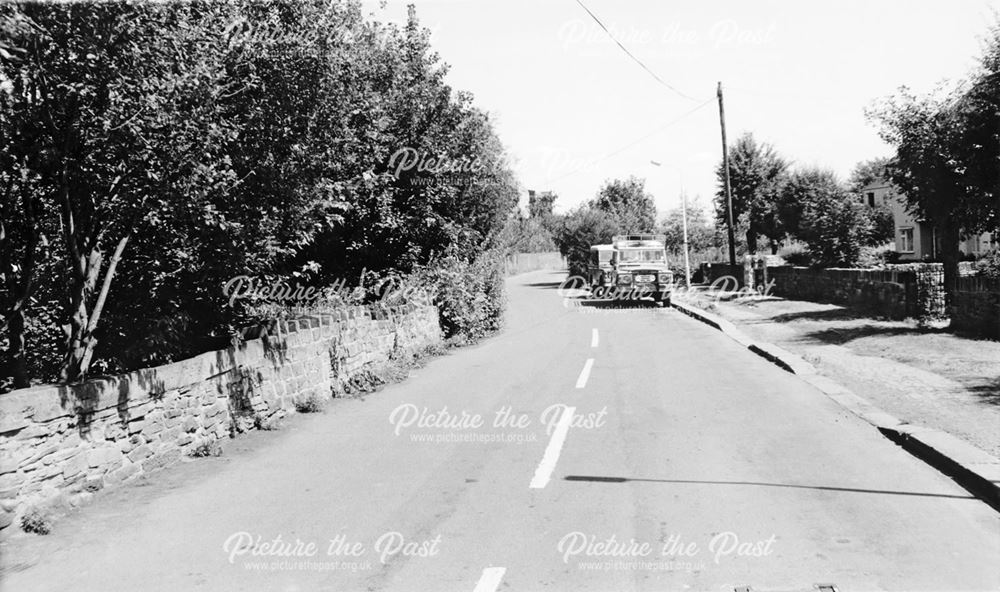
(974, 469)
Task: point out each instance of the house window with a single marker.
(906, 240)
(871, 199)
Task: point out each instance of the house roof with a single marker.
(877, 184)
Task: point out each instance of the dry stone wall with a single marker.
(61, 444)
(976, 306)
(912, 290)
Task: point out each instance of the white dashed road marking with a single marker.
(544, 471)
(594, 339)
(585, 373)
(490, 580)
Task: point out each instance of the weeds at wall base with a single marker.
(34, 521)
(396, 370)
(206, 449)
(310, 404)
(268, 424)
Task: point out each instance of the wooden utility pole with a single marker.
(725, 170)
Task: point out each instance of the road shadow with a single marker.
(614, 304)
(988, 390)
(544, 285)
(832, 314)
(600, 479)
(840, 336)
(834, 335)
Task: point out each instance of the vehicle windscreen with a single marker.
(641, 255)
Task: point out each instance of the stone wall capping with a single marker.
(908, 290)
(80, 438)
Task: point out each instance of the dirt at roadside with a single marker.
(921, 375)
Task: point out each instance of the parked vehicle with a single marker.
(599, 266)
(639, 267)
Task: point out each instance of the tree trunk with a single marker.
(16, 362)
(19, 292)
(950, 256)
(81, 339)
(76, 336)
(751, 242)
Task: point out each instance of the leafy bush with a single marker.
(470, 296)
(836, 230)
(202, 141)
(877, 256)
(579, 230)
(989, 266)
(491, 268)
(703, 236)
(798, 256)
(817, 209)
(883, 224)
(527, 235)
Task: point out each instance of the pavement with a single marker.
(975, 469)
(587, 447)
(922, 375)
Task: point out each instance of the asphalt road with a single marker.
(688, 464)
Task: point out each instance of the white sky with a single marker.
(574, 110)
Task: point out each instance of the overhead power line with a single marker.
(629, 53)
(630, 144)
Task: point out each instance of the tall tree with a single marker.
(803, 190)
(883, 221)
(755, 173)
(94, 81)
(175, 145)
(22, 247)
(540, 203)
(868, 172)
(936, 172)
(22, 209)
(579, 230)
(526, 235)
(978, 110)
(816, 208)
(430, 173)
(628, 204)
(947, 159)
(701, 233)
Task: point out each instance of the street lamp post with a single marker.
(684, 225)
(684, 218)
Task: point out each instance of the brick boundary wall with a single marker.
(60, 444)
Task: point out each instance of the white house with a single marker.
(917, 240)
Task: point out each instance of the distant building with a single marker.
(917, 240)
